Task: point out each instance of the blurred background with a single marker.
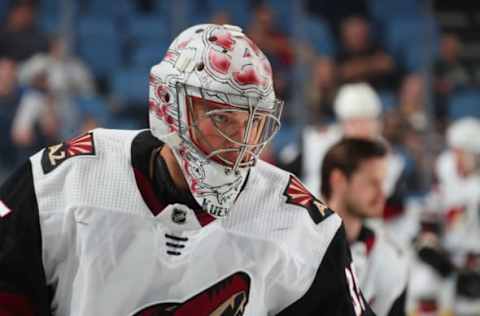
(67, 66)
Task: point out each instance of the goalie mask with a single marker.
(212, 101)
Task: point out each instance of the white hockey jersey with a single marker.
(107, 249)
(457, 201)
(382, 268)
(453, 205)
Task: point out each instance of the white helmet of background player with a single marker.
(465, 134)
(209, 72)
(358, 108)
(463, 137)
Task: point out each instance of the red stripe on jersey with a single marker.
(298, 193)
(392, 211)
(156, 205)
(148, 194)
(80, 145)
(204, 218)
(81, 138)
(369, 242)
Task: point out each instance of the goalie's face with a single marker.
(230, 135)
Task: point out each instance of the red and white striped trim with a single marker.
(80, 145)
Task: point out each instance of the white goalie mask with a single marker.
(212, 101)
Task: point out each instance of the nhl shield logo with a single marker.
(179, 216)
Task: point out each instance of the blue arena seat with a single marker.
(406, 39)
(107, 8)
(316, 32)
(130, 86)
(239, 11)
(94, 107)
(99, 45)
(148, 55)
(464, 103)
(385, 10)
(147, 29)
(3, 11)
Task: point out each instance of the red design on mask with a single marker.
(247, 75)
(223, 39)
(220, 62)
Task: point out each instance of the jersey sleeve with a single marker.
(23, 289)
(334, 290)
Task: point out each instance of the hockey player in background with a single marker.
(358, 112)
(447, 274)
(180, 219)
(353, 173)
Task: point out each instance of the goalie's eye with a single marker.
(220, 119)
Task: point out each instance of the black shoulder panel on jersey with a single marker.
(142, 146)
(21, 266)
(331, 292)
(54, 155)
(297, 194)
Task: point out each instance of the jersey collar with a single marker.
(157, 187)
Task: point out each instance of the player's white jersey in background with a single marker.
(383, 270)
(447, 273)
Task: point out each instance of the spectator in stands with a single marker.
(450, 73)
(263, 31)
(412, 101)
(320, 91)
(36, 121)
(276, 45)
(67, 73)
(69, 80)
(360, 58)
(221, 17)
(19, 37)
(9, 98)
(407, 125)
(335, 11)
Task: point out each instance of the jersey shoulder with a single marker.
(286, 193)
(94, 144)
(93, 170)
(276, 206)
